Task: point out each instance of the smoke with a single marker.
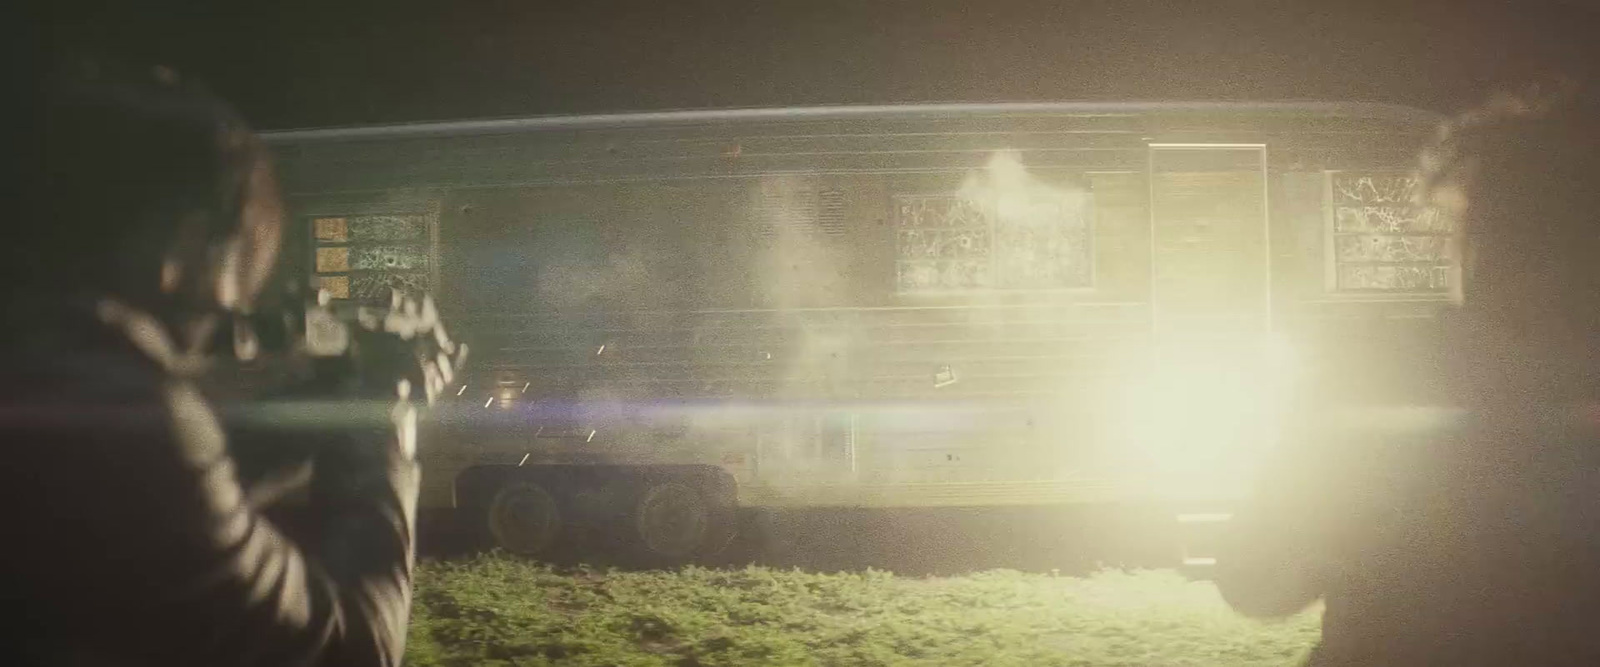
(1041, 230)
(799, 266)
(574, 283)
(786, 331)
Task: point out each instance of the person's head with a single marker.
(1521, 178)
(153, 192)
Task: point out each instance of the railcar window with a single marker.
(1383, 241)
(959, 242)
(362, 257)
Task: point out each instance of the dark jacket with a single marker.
(129, 540)
(1433, 538)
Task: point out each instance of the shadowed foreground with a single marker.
(497, 610)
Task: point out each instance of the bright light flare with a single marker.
(504, 396)
(1197, 418)
(1205, 517)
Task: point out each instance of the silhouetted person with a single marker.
(1468, 535)
(127, 537)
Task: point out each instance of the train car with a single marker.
(679, 316)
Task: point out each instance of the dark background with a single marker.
(297, 63)
(300, 63)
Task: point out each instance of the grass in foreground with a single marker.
(496, 610)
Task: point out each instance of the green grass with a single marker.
(497, 610)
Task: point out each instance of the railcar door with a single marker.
(1210, 264)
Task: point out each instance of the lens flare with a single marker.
(1194, 420)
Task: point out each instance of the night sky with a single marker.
(299, 64)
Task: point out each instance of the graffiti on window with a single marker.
(944, 244)
(1382, 248)
(938, 212)
(1395, 278)
(1383, 240)
(390, 258)
(376, 286)
(388, 228)
(1048, 247)
(364, 257)
(949, 242)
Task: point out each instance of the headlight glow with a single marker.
(1195, 419)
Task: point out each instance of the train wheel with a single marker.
(524, 518)
(674, 522)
